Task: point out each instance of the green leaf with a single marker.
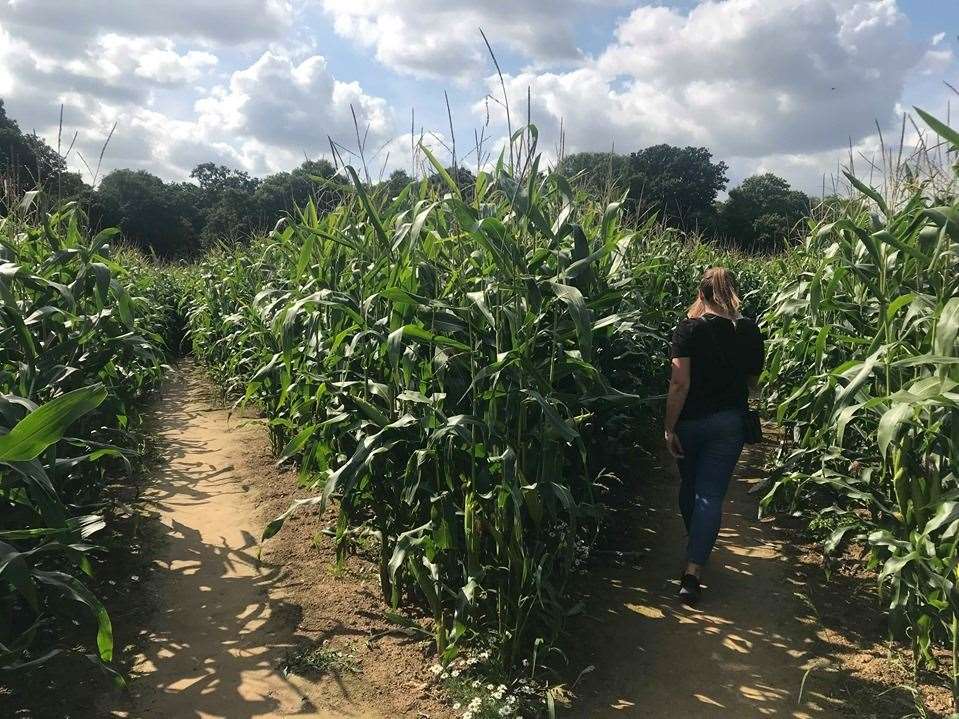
(895, 565)
(368, 206)
(942, 129)
(296, 444)
(564, 430)
(47, 424)
(889, 424)
(420, 333)
(14, 569)
(79, 593)
(582, 317)
(946, 513)
(836, 538)
(440, 170)
(868, 191)
(947, 327)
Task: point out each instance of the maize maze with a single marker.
(83, 339)
(449, 370)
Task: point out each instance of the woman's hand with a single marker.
(673, 444)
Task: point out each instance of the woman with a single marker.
(717, 355)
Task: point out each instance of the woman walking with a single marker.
(717, 355)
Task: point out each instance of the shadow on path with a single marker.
(743, 652)
(220, 626)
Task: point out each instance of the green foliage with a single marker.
(177, 220)
(863, 366)
(600, 174)
(215, 179)
(281, 193)
(762, 214)
(438, 362)
(82, 339)
(679, 183)
(27, 163)
(154, 216)
(396, 183)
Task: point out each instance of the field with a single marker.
(460, 377)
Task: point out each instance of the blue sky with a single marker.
(780, 86)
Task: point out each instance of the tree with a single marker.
(27, 162)
(681, 183)
(398, 180)
(153, 216)
(278, 195)
(762, 212)
(215, 179)
(463, 178)
(226, 198)
(598, 173)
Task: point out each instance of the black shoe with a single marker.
(689, 590)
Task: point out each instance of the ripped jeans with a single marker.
(711, 445)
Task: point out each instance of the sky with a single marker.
(785, 86)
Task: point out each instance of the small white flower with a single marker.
(455, 672)
(456, 706)
(436, 669)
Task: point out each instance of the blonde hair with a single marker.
(718, 289)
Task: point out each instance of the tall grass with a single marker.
(864, 367)
(82, 338)
(441, 367)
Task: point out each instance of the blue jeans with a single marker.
(711, 445)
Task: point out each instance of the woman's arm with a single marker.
(678, 389)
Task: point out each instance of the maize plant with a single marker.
(439, 365)
(81, 342)
(864, 368)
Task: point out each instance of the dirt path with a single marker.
(742, 653)
(221, 623)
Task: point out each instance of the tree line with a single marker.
(178, 219)
(682, 184)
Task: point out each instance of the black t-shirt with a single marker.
(722, 354)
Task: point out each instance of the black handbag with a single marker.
(752, 425)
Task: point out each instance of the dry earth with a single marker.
(225, 622)
(204, 626)
(772, 636)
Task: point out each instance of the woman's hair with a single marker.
(717, 288)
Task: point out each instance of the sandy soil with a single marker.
(768, 629)
(203, 625)
(223, 621)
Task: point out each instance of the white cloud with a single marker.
(116, 59)
(7, 51)
(440, 38)
(56, 27)
(746, 78)
(766, 85)
(270, 116)
(293, 108)
(152, 68)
